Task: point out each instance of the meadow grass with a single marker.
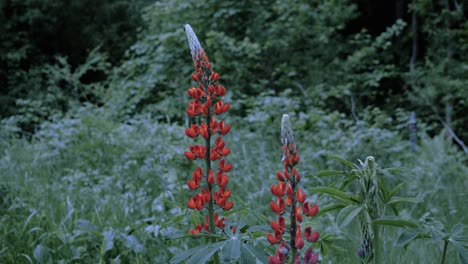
(87, 189)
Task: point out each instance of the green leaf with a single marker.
(347, 214)
(343, 161)
(232, 250)
(396, 189)
(255, 228)
(255, 252)
(188, 253)
(205, 254)
(406, 237)
(329, 173)
(108, 240)
(330, 208)
(206, 235)
(462, 250)
(41, 254)
(133, 243)
(395, 222)
(397, 199)
(457, 232)
(340, 195)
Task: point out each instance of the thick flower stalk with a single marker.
(290, 201)
(205, 108)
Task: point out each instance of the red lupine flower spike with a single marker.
(287, 188)
(206, 103)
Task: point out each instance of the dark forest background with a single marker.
(346, 56)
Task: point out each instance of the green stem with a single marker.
(377, 244)
(210, 187)
(444, 253)
(293, 217)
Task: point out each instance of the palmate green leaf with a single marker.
(108, 240)
(461, 249)
(330, 173)
(457, 233)
(330, 208)
(203, 249)
(41, 254)
(253, 254)
(407, 237)
(343, 161)
(205, 235)
(347, 214)
(255, 228)
(232, 250)
(394, 190)
(397, 199)
(340, 195)
(204, 255)
(391, 221)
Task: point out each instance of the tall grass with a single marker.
(87, 189)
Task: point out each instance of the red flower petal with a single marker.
(211, 179)
(189, 155)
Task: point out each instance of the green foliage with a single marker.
(34, 33)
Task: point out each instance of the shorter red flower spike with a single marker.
(311, 236)
(300, 195)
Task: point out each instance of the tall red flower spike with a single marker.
(291, 199)
(210, 182)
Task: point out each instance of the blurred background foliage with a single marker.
(93, 98)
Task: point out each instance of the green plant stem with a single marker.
(293, 218)
(210, 187)
(377, 244)
(444, 253)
